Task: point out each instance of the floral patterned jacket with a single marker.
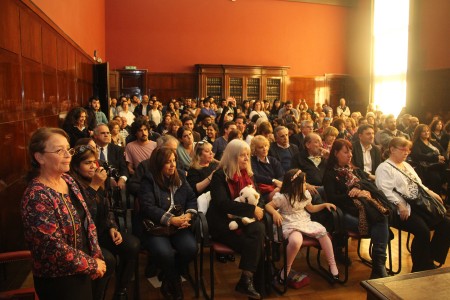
(52, 230)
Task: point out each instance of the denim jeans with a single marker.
(379, 232)
(172, 253)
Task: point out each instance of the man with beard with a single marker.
(204, 121)
(366, 156)
(142, 147)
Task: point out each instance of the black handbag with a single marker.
(163, 230)
(430, 209)
(160, 230)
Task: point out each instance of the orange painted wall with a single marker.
(173, 35)
(82, 20)
(434, 24)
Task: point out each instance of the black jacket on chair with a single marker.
(358, 160)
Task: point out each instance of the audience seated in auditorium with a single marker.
(75, 124)
(221, 142)
(366, 155)
(342, 109)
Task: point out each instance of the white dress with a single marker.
(297, 218)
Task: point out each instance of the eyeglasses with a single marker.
(404, 149)
(62, 152)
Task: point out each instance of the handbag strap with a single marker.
(406, 175)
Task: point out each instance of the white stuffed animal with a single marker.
(246, 195)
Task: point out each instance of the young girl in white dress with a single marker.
(293, 203)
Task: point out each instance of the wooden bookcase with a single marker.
(242, 82)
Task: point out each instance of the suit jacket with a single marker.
(314, 174)
(297, 139)
(116, 158)
(358, 160)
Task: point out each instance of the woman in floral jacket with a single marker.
(57, 225)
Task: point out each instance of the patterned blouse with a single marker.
(53, 231)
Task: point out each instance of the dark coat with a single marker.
(155, 201)
(264, 173)
(314, 175)
(138, 110)
(358, 160)
(421, 152)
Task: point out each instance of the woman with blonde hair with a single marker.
(202, 168)
(268, 170)
(329, 135)
(235, 173)
(116, 137)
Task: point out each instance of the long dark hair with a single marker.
(158, 159)
(337, 146)
(37, 144)
(292, 187)
(82, 153)
(72, 117)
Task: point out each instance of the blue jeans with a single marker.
(172, 253)
(379, 232)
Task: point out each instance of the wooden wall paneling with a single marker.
(62, 54)
(171, 85)
(30, 36)
(33, 104)
(301, 88)
(51, 106)
(10, 87)
(49, 49)
(12, 151)
(114, 84)
(71, 76)
(433, 94)
(337, 84)
(9, 26)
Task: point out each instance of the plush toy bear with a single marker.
(246, 195)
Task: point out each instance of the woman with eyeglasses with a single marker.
(57, 224)
(168, 201)
(91, 180)
(398, 181)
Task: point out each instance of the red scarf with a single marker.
(237, 183)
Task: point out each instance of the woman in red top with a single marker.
(58, 227)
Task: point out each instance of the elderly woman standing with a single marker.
(167, 200)
(268, 170)
(58, 227)
(234, 174)
(398, 181)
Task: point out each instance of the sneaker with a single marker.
(299, 280)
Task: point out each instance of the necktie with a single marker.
(102, 155)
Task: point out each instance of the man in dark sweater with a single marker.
(281, 149)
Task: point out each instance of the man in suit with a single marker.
(111, 154)
(366, 155)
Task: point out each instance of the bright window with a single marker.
(390, 54)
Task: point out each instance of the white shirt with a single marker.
(387, 178)
(367, 159)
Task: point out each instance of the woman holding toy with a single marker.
(233, 175)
